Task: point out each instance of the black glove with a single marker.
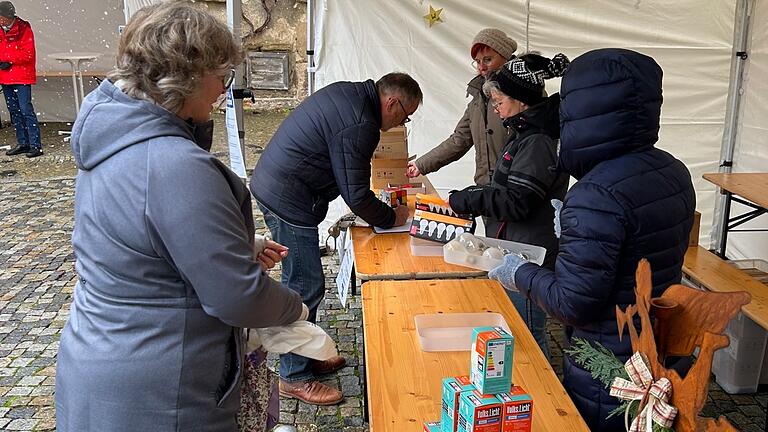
(5, 65)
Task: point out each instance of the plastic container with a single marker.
(453, 331)
(535, 254)
(738, 367)
(421, 247)
(757, 268)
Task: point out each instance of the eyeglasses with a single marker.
(495, 103)
(407, 117)
(228, 79)
(485, 61)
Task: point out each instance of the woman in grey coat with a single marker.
(164, 241)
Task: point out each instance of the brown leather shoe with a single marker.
(311, 391)
(328, 366)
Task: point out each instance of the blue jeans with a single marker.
(18, 99)
(534, 317)
(303, 273)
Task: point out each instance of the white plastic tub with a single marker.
(453, 331)
(421, 247)
(535, 254)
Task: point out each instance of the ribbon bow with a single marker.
(643, 388)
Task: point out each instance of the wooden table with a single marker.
(404, 382)
(749, 189)
(388, 256)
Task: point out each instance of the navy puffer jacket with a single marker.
(631, 201)
(323, 150)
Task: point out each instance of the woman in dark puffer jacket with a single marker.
(631, 201)
(516, 203)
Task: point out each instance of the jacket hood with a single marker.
(543, 116)
(475, 86)
(610, 106)
(110, 121)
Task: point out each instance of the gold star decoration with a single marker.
(433, 16)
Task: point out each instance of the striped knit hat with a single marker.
(523, 77)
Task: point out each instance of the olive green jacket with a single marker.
(481, 127)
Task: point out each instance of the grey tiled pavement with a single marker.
(36, 281)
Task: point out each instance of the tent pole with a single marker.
(310, 48)
(735, 90)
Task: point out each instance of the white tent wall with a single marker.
(690, 39)
(751, 152)
(68, 26)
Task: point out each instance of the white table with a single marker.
(75, 59)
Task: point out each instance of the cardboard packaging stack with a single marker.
(434, 220)
(390, 159)
(485, 401)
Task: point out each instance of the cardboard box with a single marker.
(452, 388)
(411, 188)
(394, 196)
(432, 427)
(516, 411)
(479, 413)
(693, 240)
(386, 171)
(491, 359)
(393, 144)
(434, 220)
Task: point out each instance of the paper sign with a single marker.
(236, 163)
(344, 278)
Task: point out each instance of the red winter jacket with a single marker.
(17, 46)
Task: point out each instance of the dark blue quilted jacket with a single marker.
(631, 201)
(323, 150)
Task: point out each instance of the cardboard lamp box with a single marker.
(434, 220)
(393, 144)
(386, 171)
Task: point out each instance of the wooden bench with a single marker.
(711, 272)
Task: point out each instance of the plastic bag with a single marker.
(302, 337)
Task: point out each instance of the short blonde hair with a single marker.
(166, 49)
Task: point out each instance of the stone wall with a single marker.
(285, 31)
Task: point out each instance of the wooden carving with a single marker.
(685, 318)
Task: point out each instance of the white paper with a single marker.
(236, 163)
(344, 278)
(395, 229)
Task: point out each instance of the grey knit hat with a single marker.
(496, 40)
(7, 10)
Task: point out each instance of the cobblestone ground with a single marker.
(36, 280)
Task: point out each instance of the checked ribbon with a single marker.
(642, 387)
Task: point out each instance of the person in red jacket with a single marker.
(17, 74)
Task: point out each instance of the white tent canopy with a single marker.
(692, 40)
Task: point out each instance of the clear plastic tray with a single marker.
(453, 331)
(535, 254)
(421, 247)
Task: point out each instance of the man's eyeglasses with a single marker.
(485, 61)
(228, 79)
(407, 117)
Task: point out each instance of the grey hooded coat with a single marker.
(162, 238)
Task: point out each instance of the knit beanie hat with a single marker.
(496, 40)
(7, 10)
(523, 77)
